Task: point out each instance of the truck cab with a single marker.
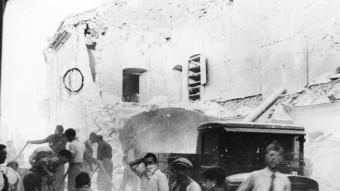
(239, 148)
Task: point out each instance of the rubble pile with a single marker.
(322, 159)
(134, 21)
(322, 145)
(110, 120)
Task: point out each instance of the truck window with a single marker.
(241, 149)
(210, 148)
(246, 151)
(210, 143)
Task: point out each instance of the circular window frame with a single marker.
(67, 73)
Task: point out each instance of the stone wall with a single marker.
(251, 46)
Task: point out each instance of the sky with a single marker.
(28, 24)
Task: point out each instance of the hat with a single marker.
(182, 162)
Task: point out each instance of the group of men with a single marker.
(47, 172)
(153, 179)
(48, 168)
(267, 179)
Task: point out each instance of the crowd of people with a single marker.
(48, 172)
(213, 178)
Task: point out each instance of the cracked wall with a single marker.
(252, 47)
(240, 40)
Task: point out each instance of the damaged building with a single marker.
(204, 59)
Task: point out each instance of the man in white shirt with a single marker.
(269, 178)
(77, 149)
(153, 179)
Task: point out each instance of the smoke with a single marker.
(165, 130)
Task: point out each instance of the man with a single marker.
(152, 178)
(183, 182)
(104, 155)
(88, 157)
(77, 149)
(269, 178)
(56, 142)
(42, 174)
(4, 185)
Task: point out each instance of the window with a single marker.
(197, 77)
(131, 84)
(210, 145)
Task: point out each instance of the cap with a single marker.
(182, 162)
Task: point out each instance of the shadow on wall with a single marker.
(164, 130)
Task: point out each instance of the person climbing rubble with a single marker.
(153, 179)
(56, 142)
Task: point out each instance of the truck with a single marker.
(239, 148)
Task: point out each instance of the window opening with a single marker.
(197, 76)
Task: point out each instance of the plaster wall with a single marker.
(251, 47)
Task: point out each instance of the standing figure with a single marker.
(152, 178)
(183, 182)
(88, 157)
(77, 149)
(4, 186)
(104, 155)
(269, 178)
(56, 142)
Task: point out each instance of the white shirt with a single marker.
(193, 186)
(154, 181)
(12, 175)
(260, 181)
(77, 148)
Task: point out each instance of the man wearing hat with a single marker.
(152, 178)
(183, 182)
(269, 178)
